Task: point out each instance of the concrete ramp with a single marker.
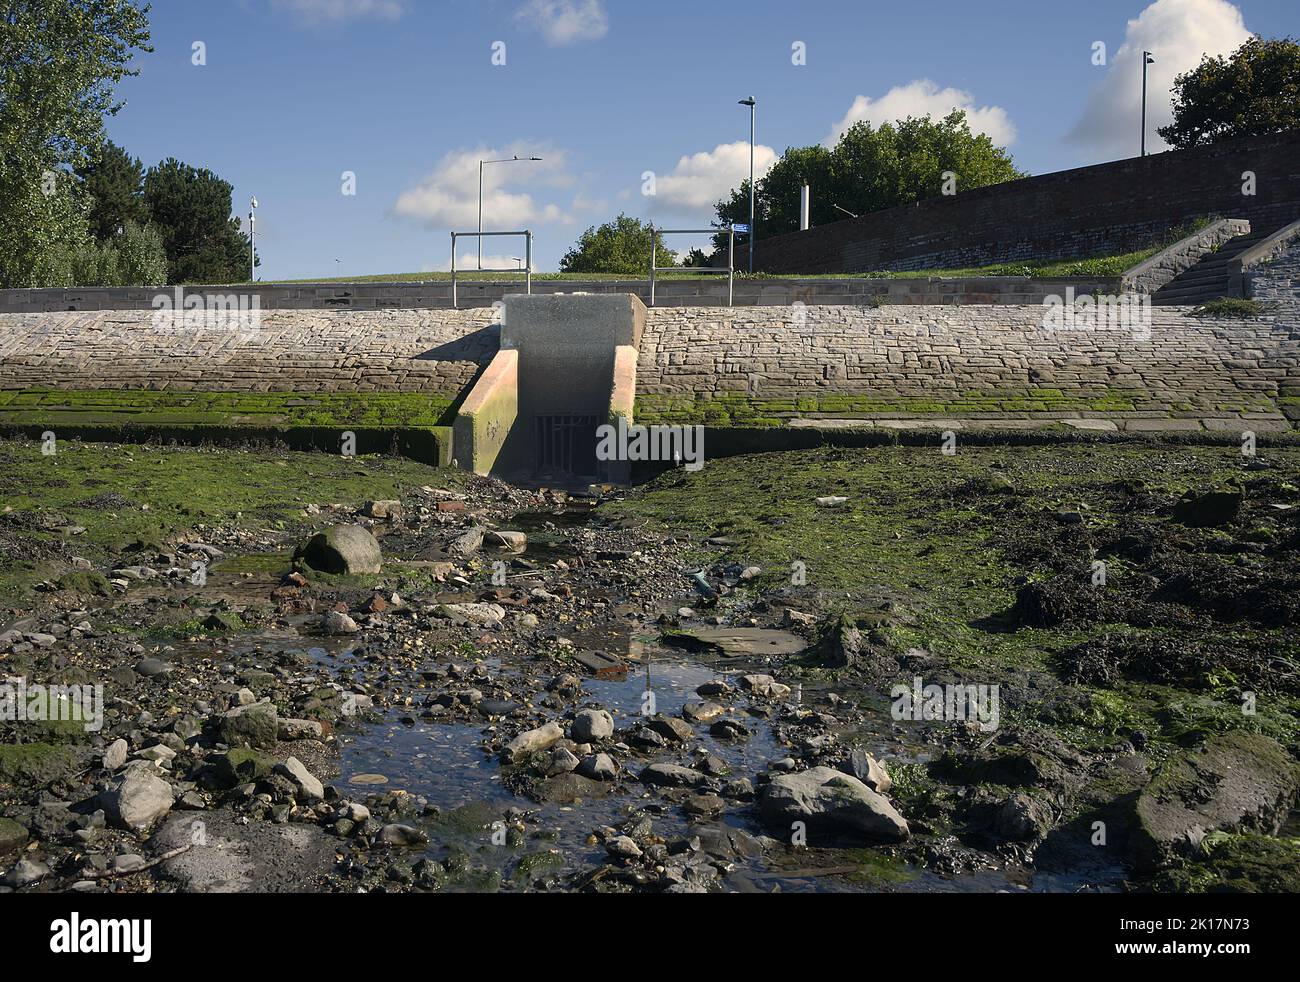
(566, 367)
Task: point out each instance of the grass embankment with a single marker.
(944, 533)
(1105, 266)
(106, 488)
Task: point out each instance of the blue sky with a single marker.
(405, 95)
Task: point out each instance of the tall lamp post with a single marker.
(252, 240)
(751, 104)
(1146, 60)
(503, 160)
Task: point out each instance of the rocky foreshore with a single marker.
(243, 673)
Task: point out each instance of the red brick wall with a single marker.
(1105, 208)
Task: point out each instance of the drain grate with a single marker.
(566, 443)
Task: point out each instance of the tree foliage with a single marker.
(1253, 92)
(621, 246)
(870, 169)
(115, 182)
(60, 61)
(191, 207)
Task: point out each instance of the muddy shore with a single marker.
(750, 678)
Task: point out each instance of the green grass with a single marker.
(182, 488)
(1232, 307)
(51, 407)
(738, 409)
(910, 533)
(1105, 265)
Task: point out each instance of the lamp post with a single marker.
(252, 240)
(503, 160)
(751, 104)
(1146, 60)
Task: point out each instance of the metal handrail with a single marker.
(528, 259)
(730, 268)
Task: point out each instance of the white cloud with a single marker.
(583, 204)
(333, 11)
(469, 261)
(923, 97)
(701, 179)
(448, 197)
(1177, 33)
(566, 21)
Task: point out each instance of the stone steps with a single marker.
(1209, 279)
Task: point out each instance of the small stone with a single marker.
(402, 836)
(25, 873)
(309, 786)
(622, 847)
(598, 767)
(532, 741)
(138, 799)
(384, 511)
(338, 623)
(590, 725)
(115, 755)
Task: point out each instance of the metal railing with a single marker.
(528, 259)
(729, 269)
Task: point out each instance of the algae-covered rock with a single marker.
(241, 765)
(1208, 510)
(35, 763)
(1234, 782)
(343, 549)
(1248, 863)
(84, 582)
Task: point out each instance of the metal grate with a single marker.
(566, 444)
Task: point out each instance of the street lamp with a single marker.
(252, 240)
(751, 104)
(503, 160)
(1146, 60)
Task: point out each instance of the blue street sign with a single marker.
(740, 228)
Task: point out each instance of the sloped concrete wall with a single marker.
(286, 351)
(770, 364)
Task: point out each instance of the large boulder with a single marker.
(138, 799)
(342, 549)
(1233, 782)
(831, 803)
(256, 726)
(1208, 510)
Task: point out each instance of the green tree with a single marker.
(1253, 92)
(115, 182)
(621, 246)
(867, 170)
(192, 209)
(59, 63)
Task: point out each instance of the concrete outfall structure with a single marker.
(567, 365)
